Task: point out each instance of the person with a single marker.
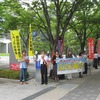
(98, 59)
(55, 65)
(85, 63)
(69, 56)
(23, 67)
(80, 74)
(95, 60)
(43, 62)
(64, 56)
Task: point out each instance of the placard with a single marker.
(70, 65)
(91, 48)
(15, 38)
(30, 44)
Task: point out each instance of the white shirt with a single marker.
(85, 58)
(23, 63)
(41, 60)
(95, 55)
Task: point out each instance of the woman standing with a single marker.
(23, 67)
(55, 65)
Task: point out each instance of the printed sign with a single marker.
(30, 44)
(60, 45)
(99, 46)
(15, 38)
(70, 65)
(91, 48)
(14, 66)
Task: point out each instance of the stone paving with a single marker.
(89, 90)
(86, 88)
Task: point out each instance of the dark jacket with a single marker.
(54, 59)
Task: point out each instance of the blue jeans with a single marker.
(23, 75)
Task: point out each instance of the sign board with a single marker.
(99, 46)
(14, 66)
(15, 38)
(70, 65)
(91, 48)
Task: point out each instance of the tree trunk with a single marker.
(82, 47)
(95, 45)
(58, 45)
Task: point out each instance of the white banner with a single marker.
(70, 65)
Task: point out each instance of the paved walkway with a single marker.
(89, 90)
(86, 88)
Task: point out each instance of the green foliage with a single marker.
(10, 74)
(52, 20)
(40, 45)
(85, 22)
(16, 17)
(4, 54)
(71, 42)
(6, 73)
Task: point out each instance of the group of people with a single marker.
(43, 66)
(23, 67)
(43, 58)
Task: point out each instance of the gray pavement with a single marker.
(86, 88)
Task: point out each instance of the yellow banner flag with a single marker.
(30, 44)
(15, 38)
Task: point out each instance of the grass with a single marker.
(4, 54)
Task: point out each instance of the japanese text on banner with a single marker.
(70, 65)
(91, 48)
(99, 46)
(30, 44)
(15, 38)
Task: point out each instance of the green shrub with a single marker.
(10, 74)
(6, 73)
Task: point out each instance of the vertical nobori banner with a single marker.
(99, 46)
(91, 48)
(15, 38)
(60, 45)
(30, 43)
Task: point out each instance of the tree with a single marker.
(95, 21)
(62, 12)
(16, 17)
(81, 23)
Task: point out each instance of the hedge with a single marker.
(10, 74)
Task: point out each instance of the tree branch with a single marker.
(75, 5)
(44, 34)
(47, 17)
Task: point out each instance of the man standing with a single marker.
(43, 61)
(23, 67)
(85, 63)
(95, 60)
